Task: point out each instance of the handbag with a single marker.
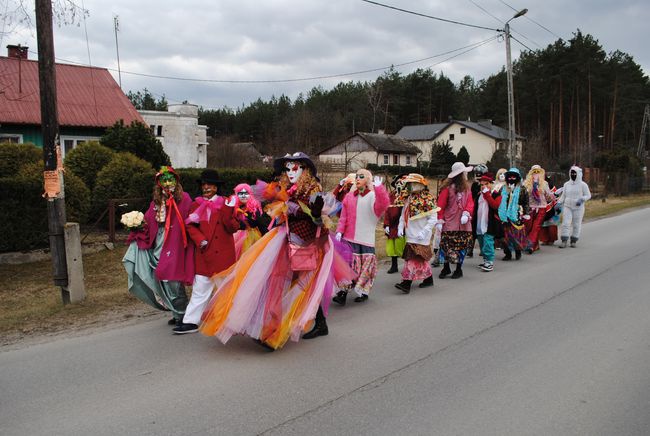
(303, 257)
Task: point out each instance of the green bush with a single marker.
(125, 176)
(86, 160)
(138, 139)
(77, 195)
(14, 156)
(23, 212)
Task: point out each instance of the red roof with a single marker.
(86, 96)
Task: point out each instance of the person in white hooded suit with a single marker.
(575, 193)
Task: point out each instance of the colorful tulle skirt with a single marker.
(244, 239)
(261, 297)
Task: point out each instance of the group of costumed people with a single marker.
(263, 263)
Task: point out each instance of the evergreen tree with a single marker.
(463, 155)
(138, 139)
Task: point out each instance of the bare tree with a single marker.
(375, 100)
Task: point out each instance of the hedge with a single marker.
(14, 156)
(23, 210)
(87, 160)
(231, 177)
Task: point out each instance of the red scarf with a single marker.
(173, 207)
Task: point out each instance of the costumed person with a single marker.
(539, 197)
(211, 225)
(513, 211)
(361, 210)
(575, 193)
(160, 259)
(455, 219)
(286, 279)
(488, 225)
(499, 179)
(548, 233)
(416, 223)
(343, 187)
(395, 244)
(251, 218)
(478, 171)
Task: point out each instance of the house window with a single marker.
(68, 144)
(159, 131)
(385, 159)
(408, 159)
(14, 139)
(501, 146)
(396, 159)
(462, 130)
(451, 136)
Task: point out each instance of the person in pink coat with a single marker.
(455, 219)
(362, 207)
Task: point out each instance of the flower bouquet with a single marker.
(133, 220)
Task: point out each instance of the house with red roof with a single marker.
(88, 101)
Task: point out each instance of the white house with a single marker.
(481, 139)
(361, 149)
(178, 129)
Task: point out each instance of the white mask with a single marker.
(294, 171)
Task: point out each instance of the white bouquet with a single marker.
(133, 220)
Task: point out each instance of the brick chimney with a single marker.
(17, 51)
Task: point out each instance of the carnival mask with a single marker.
(361, 182)
(208, 190)
(415, 187)
(167, 181)
(294, 171)
(243, 196)
(502, 177)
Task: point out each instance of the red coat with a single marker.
(220, 251)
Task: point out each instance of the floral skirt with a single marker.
(454, 245)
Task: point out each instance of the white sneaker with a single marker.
(481, 265)
(487, 267)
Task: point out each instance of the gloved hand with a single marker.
(400, 232)
(342, 182)
(465, 218)
(387, 230)
(231, 201)
(579, 203)
(338, 236)
(526, 217)
(485, 190)
(377, 181)
(317, 206)
(439, 226)
(203, 244)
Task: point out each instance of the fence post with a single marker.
(111, 221)
(76, 289)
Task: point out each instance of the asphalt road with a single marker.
(555, 344)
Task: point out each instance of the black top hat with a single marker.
(278, 164)
(211, 177)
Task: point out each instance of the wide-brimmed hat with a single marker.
(513, 172)
(487, 177)
(211, 177)
(457, 168)
(278, 164)
(416, 178)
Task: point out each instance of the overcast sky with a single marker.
(274, 40)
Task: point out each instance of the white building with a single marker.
(481, 139)
(178, 129)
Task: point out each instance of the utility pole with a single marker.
(640, 152)
(54, 189)
(512, 145)
(116, 26)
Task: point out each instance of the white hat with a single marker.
(457, 168)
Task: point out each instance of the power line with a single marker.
(502, 22)
(530, 49)
(430, 16)
(530, 19)
(301, 79)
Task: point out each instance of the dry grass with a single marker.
(31, 306)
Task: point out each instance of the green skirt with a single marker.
(395, 247)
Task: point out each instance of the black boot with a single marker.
(573, 242)
(458, 273)
(404, 286)
(393, 266)
(340, 297)
(320, 326)
(426, 282)
(508, 254)
(517, 254)
(446, 270)
(564, 242)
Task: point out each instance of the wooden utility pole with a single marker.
(54, 190)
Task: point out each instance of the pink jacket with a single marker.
(363, 232)
(452, 207)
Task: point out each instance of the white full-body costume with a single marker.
(574, 195)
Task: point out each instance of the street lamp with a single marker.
(511, 99)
